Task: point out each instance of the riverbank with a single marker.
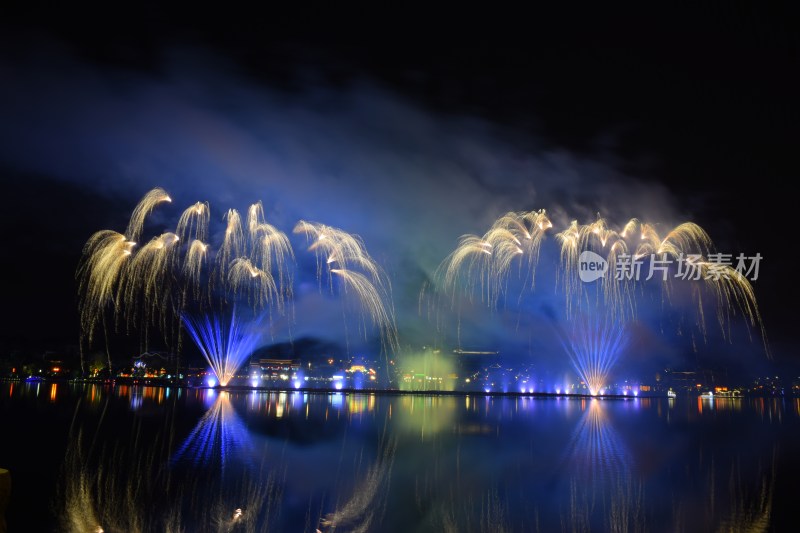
(143, 382)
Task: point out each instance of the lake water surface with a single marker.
(90, 457)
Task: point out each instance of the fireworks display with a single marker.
(399, 274)
(599, 311)
(487, 259)
(178, 280)
(345, 257)
(152, 286)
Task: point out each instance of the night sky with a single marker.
(409, 129)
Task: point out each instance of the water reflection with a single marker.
(599, 489)
(138, 395)
(130, 485)
(750, 504)
(366, 506)
(596, 452)
(218, 436)
(715, 491)
(198, 460)
(102, 498)
(425, 416)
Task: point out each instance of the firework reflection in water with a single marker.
(130, 487)
(220, 434)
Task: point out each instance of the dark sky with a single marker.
(409, 129)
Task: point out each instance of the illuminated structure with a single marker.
(275, 366)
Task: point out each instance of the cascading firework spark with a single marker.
(224, 344)
(488, 259)
(340, 254)
(482, 264)
(143, 210)
(270, 251)
(106, 254)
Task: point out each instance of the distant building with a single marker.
(692, 380)
(473, 363)
(275, 366)
(768, 386)
(55, 365)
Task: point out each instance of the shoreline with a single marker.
(349, 390)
